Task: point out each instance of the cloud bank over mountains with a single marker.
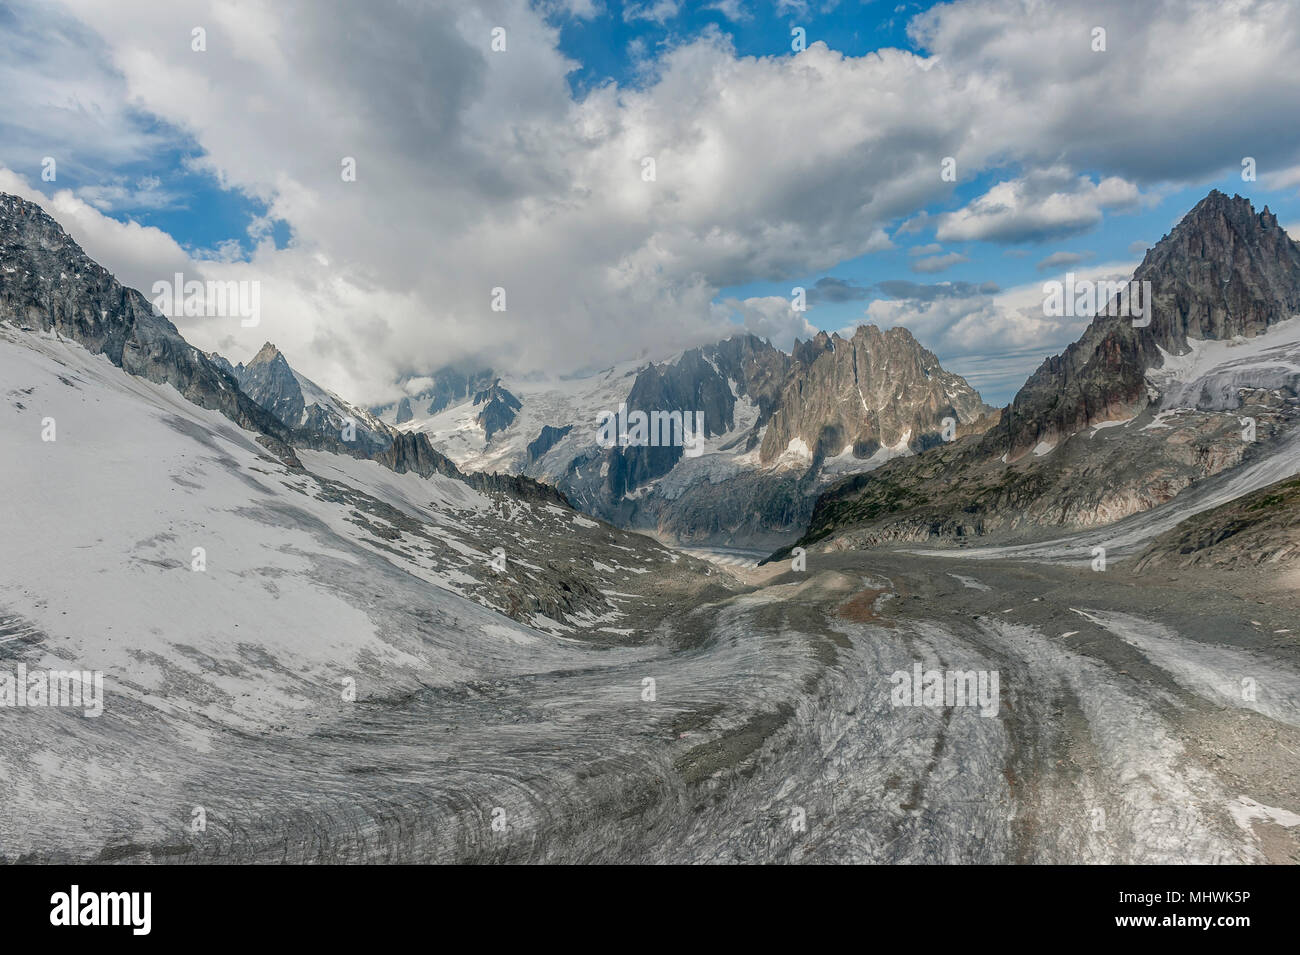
(478, 169)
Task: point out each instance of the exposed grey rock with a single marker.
(830, 393)
(499, 407)
(49, 284)
(1224, 271)
(1259, 528)
(404, 413)
(546, 440)
(317, 418)
(874, 389)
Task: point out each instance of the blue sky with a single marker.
(520, 168)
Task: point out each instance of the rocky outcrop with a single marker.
(546, 440)
(404, 412)
(1224, 271)
(499, 408)
(875, 389)
(444, 388)
(47, 283)
(828, 396)
(316, 418)
(269, 381)
(411, 451)
(1260, 528)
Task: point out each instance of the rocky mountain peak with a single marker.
(874, 389)
(1223, 271)
(50, 284)
(499, 408)
(270, 381)
(266, 355)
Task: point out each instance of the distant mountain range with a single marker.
(865, 439)
(778, 427)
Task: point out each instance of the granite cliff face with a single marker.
(832, 406)
(876, 389)
(442, 389)
(1129, 415)
(317, 417)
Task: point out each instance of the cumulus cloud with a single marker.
(773, 318)
(995, 339)
(1058, 259)
(937, 263)
(659, 11)
(478, 170)
(731, 9)
(831, 289)
(1283, 178)
(1042, 205)
(138, 255)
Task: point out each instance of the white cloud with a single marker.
(733, 10)
(938, 263)
(772, 317)
(995, 340)
(1042, 205)
(658, 11)
(478, 169)
(138, 255)
(1283, 178)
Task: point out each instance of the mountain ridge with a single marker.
(1077, 445)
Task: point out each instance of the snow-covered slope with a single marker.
(1211, 374)
(544, 401)
(219, 590)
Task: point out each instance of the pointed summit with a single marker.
(267, 354)
(499, 408)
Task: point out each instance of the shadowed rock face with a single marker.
(699, 381)
(269, 381)
(499, 408)
(411, 451)
(829, 393)
(50, 284)
(404, 413)
(546, 440)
